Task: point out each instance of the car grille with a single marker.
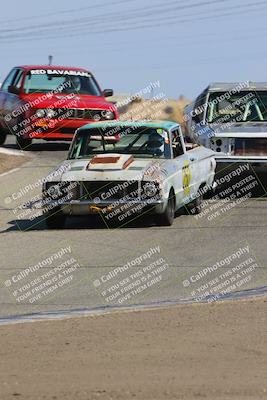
(114, 190)
(60, 191)
(76, 113)
(117, 190)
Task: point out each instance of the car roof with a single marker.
(29, 67)
(125, 124)
(227, 86)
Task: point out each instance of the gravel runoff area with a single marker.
(200, 351)
(10, 161)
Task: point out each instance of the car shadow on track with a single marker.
(95, 222)
(77, 223)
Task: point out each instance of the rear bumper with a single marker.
(244, 168)
(255, 162)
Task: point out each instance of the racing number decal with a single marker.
(187, 176)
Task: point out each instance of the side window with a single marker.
(199, 109)
(9, 80)
(177, 146)
(18, 79)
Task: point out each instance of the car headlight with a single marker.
(51, 113)
(97, 117)
(107, 114)
(53, 190)
(40, 113)
(150, 189)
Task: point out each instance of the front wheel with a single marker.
(55, 219)
(22, 143)
(3, 136)
(167, 218)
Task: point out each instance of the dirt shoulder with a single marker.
(8, 162)
(215, 351)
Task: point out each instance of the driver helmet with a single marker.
(75, 83)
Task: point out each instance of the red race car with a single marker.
(50, 103)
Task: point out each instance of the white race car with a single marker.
(231, 119)
(123, 169)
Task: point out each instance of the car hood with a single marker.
(244, 130)
(126, 167)
(70, 101)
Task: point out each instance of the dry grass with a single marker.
(169, 109)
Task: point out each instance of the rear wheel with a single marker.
(22, 143)
(3, 135)
(55, 219)
(167, 218)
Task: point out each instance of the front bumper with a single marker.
(55, 129)
(107, 207)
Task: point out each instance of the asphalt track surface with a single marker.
(197, 257)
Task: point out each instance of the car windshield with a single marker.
(45, 81)
(246, 106)
(142, 142)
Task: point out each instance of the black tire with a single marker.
(55, 220)
(195, 207)
(23, 144)
(3, 135)
(167, 218)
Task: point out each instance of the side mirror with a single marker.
(107, 92)
(13, 89)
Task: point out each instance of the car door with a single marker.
(178, 162)
(4, 94)
(186, 164)
(10, 101)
